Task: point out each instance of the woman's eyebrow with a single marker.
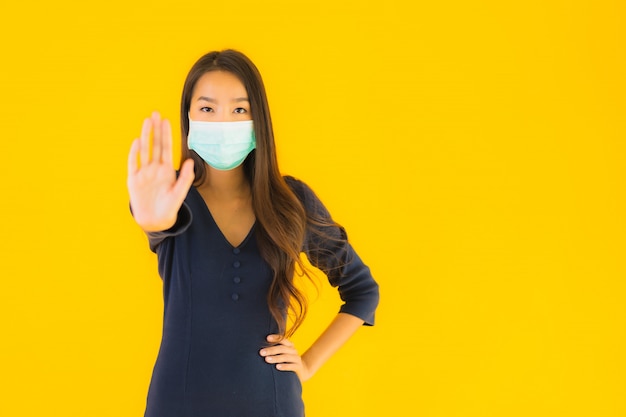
(212, 100)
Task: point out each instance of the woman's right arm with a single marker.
(156, 195)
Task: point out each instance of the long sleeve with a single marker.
(182, 223)
(328, 249)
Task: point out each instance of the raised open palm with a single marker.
(156, 194)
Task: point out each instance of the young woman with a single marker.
(228, 230)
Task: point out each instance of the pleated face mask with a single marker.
(223, 145)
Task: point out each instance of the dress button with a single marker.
(235, 297)
(236, 280)
(236, 251)
(236, 264)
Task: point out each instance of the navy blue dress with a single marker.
(216, 317)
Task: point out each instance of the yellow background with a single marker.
(474, 150)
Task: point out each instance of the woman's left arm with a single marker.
(327, 248)
(286, 357)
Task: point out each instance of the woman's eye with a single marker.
(240, 110)
(206, 109)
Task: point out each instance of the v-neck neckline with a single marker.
(224, 238)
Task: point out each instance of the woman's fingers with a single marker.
(276, 338)
(155, 193)
(161, 132)
(284, 351)
(166, 143)
(144, 142)
(288, 367)
(132, 157)
(157, 136)
(185, 179)
(285, 356)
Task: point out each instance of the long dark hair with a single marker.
(279, 213)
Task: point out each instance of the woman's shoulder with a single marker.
(295, 184)
(292, 181)
(308, 198)
(300, 189)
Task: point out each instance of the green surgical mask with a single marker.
(223, 145)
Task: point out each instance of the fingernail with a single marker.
(262, 353)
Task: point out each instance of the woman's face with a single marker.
(219, 96)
